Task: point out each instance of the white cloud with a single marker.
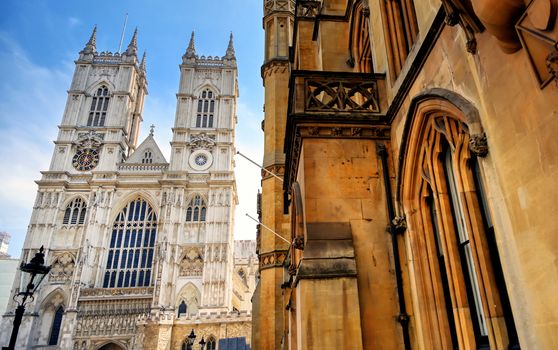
(32, 99)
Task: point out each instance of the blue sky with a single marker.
(39, 41)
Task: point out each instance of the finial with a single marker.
(143, 61)
(133, 46)
(152, 130)
(230, 49)
(90, 47)
(191, 50)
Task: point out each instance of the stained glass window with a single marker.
(205, 110)
(197, 210)
(99, 107)
(75, 212)
(131, 247)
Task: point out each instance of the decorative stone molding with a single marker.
(399, 224)
(272, 259)
(90, 139)
(202, 141)
(479, 145)
(298, 242)
(62, 267)
(93, 293)
(461, 12)
(192, 262)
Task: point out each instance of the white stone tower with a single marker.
(138, 246)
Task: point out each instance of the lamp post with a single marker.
(202, 344)
(191, 339)
(33, 268)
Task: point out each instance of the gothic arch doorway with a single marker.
(111, 346)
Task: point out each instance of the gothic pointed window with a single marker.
(56, 326)
(196, 211)
(211, 343)
(131, 247)
(446, 207)
(99, 107)
(75, 212)
(205, 109)
(360, 43)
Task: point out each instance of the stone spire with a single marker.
(132, 49)
(143, 62)
(91, 45)
(191, 50)
(230, 49)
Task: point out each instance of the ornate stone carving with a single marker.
(90, 139)
(272, 259)
(479, 145)
(399, 224)
(341, 95)
(192, 262)
(298, 242)
(308, 8)
(202, 141)
(62, 267)
(461, 12)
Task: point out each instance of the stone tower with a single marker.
(141, 249)
(278, 24)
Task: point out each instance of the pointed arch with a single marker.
(98, 108)
(359, 38)
(51, 317)
(196, 210)
(112, 345)
(125, 200)
(75, 211)
(130, 255)
(459, 292)
(191, 296)
(206, 107)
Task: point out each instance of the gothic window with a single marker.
(75, 212)
(360, 44)
(447, 210)
(147, 157)
(56, 326)
(130, 255)
(205, 109)
(211, 343)
(242, 275)
(197, 210)
(99, 107)
(401, 29)
(182, 308)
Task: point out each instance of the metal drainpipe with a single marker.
(403, 317)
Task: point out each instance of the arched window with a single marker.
(205, 110)
(197, 210)
(211, 343)
(56, 326)
(75, 212)
(130, 255)
(446, 210)
(182, 308)
(242, 275)
(147, 157)
(99, 107)
(360, 38)
(400, 31)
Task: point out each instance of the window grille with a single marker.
(197, 210)
(99, 107)
(132, 242)
(205, 110)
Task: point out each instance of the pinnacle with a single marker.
(133, 46)
(143, 62)
(230, 49)
(191, 50)
(90, 47)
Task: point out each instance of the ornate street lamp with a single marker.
(191, 339)
(32, 269)
(202, 344)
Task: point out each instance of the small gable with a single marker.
(148, 152)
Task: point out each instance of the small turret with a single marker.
(91, 46)
(229, 55)
(191, 50)
(132, 49)
(143, 62)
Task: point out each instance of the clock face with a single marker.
(85, 159)
(201, 159)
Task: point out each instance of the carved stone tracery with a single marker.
(62, 267)
(192, 262)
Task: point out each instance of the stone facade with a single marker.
(141, 248)
(415, 143)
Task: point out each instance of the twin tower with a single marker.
(141, 248)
